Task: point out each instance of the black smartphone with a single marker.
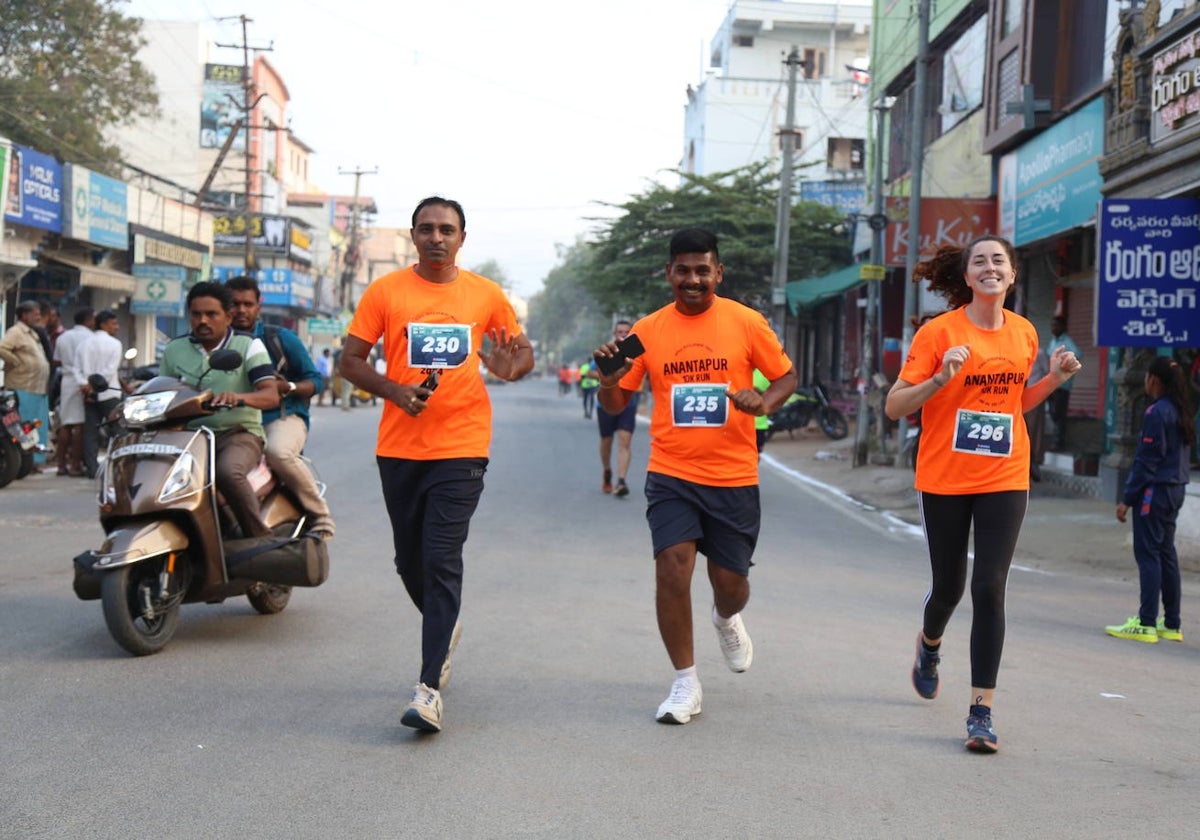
(430, 381)
(629, 347)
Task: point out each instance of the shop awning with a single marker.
(95, 276)
(802, 294)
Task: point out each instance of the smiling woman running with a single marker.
(968, 370)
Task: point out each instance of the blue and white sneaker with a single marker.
(925, 671)
(981, 737)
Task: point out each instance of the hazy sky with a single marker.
(527, 112)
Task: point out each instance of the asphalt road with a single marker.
(288, 726)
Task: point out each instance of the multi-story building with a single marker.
(734, 115)
(1080, 102)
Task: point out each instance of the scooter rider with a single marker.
(245, 391)
(297, 381)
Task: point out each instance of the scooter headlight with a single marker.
(145, 408)
(181, 481)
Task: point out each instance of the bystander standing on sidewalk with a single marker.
(27, 370)
(100, 355)
(1154, 490)
(968, 371)
(72, 392)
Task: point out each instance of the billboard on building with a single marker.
(1052, 183)
(221, 106)
(34, 190)
(944, 221)
(1175, 87)
(98, 208)
(1149, 273)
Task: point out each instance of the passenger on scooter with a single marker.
(297, 380)
(245, 392)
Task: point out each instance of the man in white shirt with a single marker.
(69, 445)
(100, 354)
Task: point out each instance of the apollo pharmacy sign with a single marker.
(1175, 87)
(1149, 273)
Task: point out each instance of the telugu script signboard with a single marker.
(1149, 272)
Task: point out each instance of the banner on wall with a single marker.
(1052, 183)
(159, 290)
(34, 190)
(221, 106)
(1149, 273)
(98, 208)
(278, 286)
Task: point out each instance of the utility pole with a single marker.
(878, 222)
(783, 218)
(917, 150)
(249, 102)
(352, 246)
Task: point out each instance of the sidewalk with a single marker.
(1062, 527)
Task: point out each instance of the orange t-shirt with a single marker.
(722, 345)
(457, 420)
(973, 435)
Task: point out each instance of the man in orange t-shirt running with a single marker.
(702, 478)
(436, 426)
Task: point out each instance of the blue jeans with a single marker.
(1154, 520)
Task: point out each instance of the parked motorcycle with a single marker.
(170, 539)
(807, 403)
(18, 439)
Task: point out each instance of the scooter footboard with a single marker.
(124, 545)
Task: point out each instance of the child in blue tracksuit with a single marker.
(1154, 491)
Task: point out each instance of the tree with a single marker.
(564, 319)
(67, 73)
(492, 270)
(630, 251)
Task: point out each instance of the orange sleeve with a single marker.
(368, 317)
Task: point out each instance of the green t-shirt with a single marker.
(761, 384)
(186, 359)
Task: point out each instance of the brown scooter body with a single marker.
(162, 518)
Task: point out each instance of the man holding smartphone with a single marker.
(702, 479)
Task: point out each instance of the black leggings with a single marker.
(947, 519)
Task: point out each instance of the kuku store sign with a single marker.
(1175, 87)
(944, 221)
(1149, 273)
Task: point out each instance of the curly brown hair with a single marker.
(945, 270)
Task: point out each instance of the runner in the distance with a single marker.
(621, 427)
(702, 479)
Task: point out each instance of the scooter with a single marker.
(18, 439)
(169, 537)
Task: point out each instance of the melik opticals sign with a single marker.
(1149, 272)
(34, 195)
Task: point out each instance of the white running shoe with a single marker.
(425, 710)
(444, 677)
(683, 703)
(735, 643)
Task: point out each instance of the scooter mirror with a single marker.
(130, 354)
(224, 359)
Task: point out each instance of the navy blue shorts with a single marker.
(626, 420)
(723, 521)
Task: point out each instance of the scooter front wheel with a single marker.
(141, 616)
